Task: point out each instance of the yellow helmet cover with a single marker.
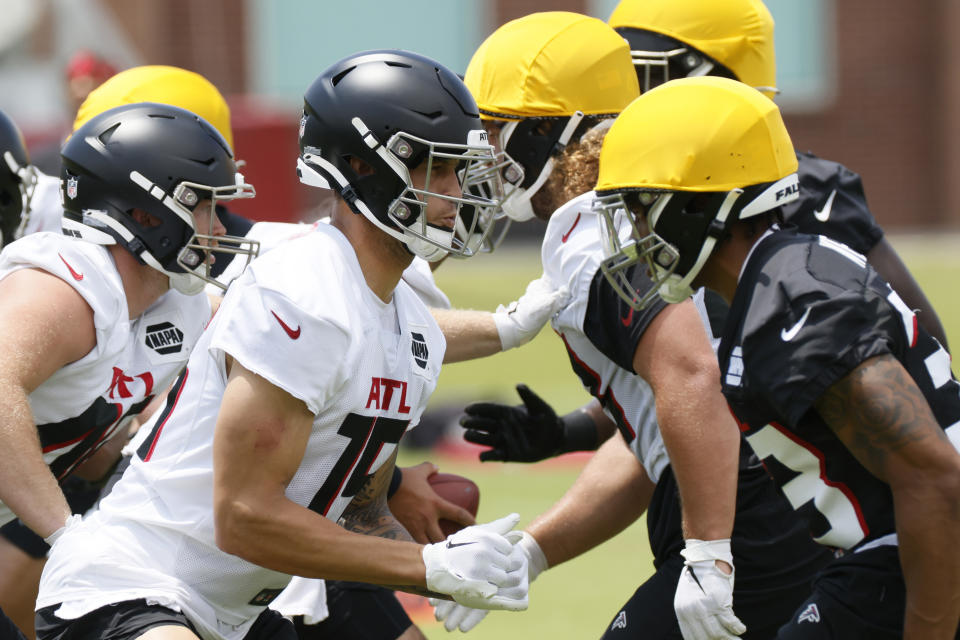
(552, 64)
(163, 84)
(736, 33)
(696, 134)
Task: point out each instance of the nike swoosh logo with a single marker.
(76, 276)
(566, 236)
(628, 319)
(294, 334)
(789, 334)
(453, 545)
(823, 213)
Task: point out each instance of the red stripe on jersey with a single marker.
(176, 399)
(601, 397)
(349, 472)
(823, 474)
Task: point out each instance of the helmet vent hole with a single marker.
(106, 135)
(393, 63)
(337, 78)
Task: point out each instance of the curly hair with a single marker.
(575, 171)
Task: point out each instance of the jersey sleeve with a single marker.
(612, 325)
(814, 341)
(832, 203)
(276, 339)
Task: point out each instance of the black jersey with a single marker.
(832, 203)
(807, 311)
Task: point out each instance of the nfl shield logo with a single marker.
(71, 188)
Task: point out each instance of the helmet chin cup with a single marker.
(674, 289)
(186, 283)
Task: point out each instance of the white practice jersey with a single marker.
(84, 403)
(46, 208)
(571, 253)
(304, 319)
(271, 234)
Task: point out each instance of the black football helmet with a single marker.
(162, 160)
(396, 110)
(18, 179)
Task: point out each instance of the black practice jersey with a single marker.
(832, 203)
(807, 311)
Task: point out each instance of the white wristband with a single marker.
(706, 550)
(536, 561)
(71, 521)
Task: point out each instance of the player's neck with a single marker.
(722, 269)
(382, 258)
(142, 284)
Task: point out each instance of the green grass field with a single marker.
(576, 600)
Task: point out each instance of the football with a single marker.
(461, 491)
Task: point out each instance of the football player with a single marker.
(625, 359)
(100, 320)
(735, 39)
(290, 409)
(849, 403)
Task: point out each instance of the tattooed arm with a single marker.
(883, 419)
(369, 514)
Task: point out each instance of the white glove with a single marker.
(480, 566)
(520, 321)
(457, 616)
(704, 597)
(71, 522)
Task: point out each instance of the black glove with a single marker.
(525, 433)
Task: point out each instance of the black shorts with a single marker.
(132, 618)
(774, 558)
(358, 611)
(860, 596)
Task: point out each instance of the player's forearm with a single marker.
(26, 484)
(928, 526)
(469, 334)
(281, 535)
(612, 491)
(703, 443)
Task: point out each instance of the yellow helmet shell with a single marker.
(552, 64)
(696, 134)
(165, 85)
(736, 33)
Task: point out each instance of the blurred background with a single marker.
(869, 83)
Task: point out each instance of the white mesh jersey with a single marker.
(304, 319)
(82, 404)
(46, 210)
(418, 275)
(571, 253)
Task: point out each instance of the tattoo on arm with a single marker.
(877, 409)
(368, 512)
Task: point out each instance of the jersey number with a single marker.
(367, 436)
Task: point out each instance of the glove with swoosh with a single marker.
(480, 566)
(458, 616)
(704, 597)
(519, 322)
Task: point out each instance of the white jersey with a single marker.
(46, 209)
(365, 368)
(85, 402)
(418, 275)
(571, 253)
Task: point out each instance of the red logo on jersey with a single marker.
(566, 236)
(381, 394)
(118, 386)
(294, 334)
(626, 320)
(76, 276)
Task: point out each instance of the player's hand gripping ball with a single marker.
(461, 491)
